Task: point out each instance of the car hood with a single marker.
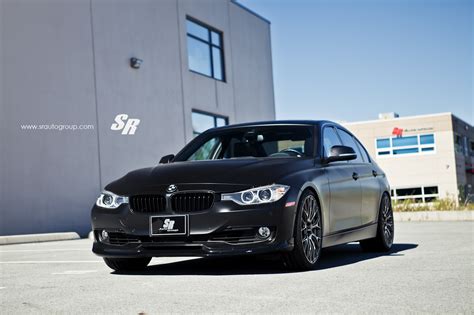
(218, 175)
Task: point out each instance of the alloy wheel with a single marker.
(387, 220)
(311, 229)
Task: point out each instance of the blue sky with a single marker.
(351, 59)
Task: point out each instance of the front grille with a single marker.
(191, 201)
(148, 203)
(119, 238)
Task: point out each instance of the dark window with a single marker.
(409, 191)
(364, 153)
(405, 151)
(205, 53)
(330, 139)
(203, 121)
(431, 190)
(349, 141)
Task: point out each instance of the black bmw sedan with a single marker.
(284, 187)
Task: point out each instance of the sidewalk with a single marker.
(420, 216)
(35, 238)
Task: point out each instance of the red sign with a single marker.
(397, 132)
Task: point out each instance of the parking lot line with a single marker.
(74, 272)
(51, 262)
(44, 250)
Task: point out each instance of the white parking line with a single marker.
(1, 288)
(44, 250)
(74, 272)
(51, 261)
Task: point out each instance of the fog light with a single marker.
(264, 232)
(103, 236)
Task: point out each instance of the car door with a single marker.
(367, 178)
(345, 191)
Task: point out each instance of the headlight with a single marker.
(264, 194)
(110, 200)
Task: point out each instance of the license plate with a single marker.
(168, 225)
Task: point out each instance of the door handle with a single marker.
(374, 172)
(355, 176)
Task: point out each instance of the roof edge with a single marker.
(402, 118)
(250, 11)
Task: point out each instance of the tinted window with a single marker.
(427, 139)
(201, 122)
(383, 143)
(205, 53)
(349, 141)
(261, 142)
(403, 141)
(362, 151)
(330, 139)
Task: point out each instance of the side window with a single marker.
(362, 150)
(349, 141)
(330, 139)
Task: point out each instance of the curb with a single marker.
(35, 238)
(420, 216)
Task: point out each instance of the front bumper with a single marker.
(224, 230)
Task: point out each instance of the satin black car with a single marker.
(284, 187)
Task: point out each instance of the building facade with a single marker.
(425, 157)
(91, 89)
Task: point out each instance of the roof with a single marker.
(276, 123)
(401, 118)
(249, 11)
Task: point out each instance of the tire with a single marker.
(307, 234)
(127, 264)
(383, 241)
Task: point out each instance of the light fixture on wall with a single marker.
(135, 63)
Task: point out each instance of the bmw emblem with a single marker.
(172, 188)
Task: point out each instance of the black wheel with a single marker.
(307, 234)
(127, 264)
(385, 229)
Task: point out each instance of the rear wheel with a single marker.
(307, 234)
(383, 241)
(127, 264)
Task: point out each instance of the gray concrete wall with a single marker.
(67, 62)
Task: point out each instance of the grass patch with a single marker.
(444, 204)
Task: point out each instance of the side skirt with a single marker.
(352, 235)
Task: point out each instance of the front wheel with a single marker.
(383, 241)
(307, 234)
(127, 264)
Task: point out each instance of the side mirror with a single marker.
(167, 159)
(341, 153)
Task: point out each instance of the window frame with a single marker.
(210, 44)
(209, 114)
(356, 149)
(388, 151)
(423, 195)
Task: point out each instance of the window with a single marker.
(205, 53)
(365, 155)
(416, 144)
(330, 139)
(248, 142)
(349, 141)
(203, 121)
(416, 194)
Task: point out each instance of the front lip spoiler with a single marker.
(176, 249)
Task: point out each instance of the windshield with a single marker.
(261, 142)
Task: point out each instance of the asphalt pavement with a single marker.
(429, 270)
